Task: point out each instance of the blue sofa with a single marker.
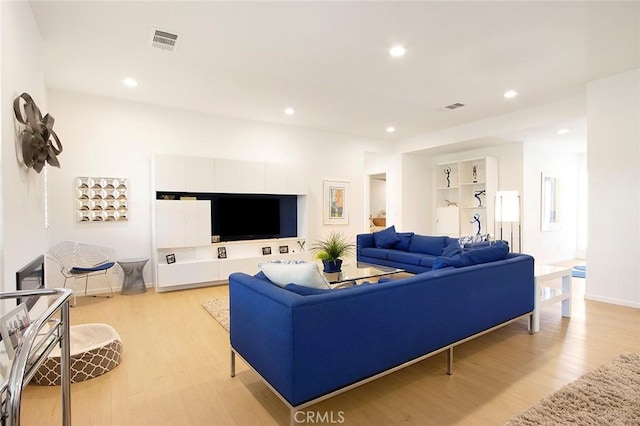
(309, 344)
(412, 252)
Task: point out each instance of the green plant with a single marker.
(333, 247)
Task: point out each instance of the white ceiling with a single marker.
(330, 61)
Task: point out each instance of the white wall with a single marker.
(559, 245)
(22, 222)
(109, 138)
(613, 162)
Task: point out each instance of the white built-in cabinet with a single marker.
(182, 228)
(465, 192)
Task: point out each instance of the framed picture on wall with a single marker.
(549, 203)
(336, 202)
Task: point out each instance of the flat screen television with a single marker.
(31, 277)
(247, 218)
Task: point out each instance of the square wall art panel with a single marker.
(101, 199)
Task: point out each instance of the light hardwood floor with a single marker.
(175, 370)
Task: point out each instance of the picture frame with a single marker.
(222, 252)
(171, 258)
(12, 326)
(549, 203)
(336, 202)
(284, 249)
(266, 251)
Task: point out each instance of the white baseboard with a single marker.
(611, 300)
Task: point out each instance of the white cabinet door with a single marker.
(185, 223)
(170, 172)
(447, 221)
(170, 227)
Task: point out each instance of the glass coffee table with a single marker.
(351, 273)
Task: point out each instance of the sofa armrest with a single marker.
(364, 241)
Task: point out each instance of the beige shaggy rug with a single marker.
(608, 395)
(219, 310)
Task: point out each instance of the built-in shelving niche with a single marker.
(100, 199)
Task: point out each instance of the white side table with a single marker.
(549, 295)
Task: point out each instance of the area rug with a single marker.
(609, 395)
(219, 310)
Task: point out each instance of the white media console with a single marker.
(182, 228)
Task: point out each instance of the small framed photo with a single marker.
(171, 258)
(266, 251)
(12, 327)
(284, 249)
(222, 252)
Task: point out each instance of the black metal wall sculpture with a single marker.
(39, 142)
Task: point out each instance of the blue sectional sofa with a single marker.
(312, 344)
(412, 252)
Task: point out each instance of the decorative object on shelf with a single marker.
(39, 142)
(549, 207)
(451, 203)
(284, 249)
(331, 251)
(477, 195)
(215, 238)
(12, 326)
(301, 243)
(222, 252)
(336, 202)
(266, 251)
(476, 219)
(171, 258)
(101, 199)
(474, 172)
(447, 172)
(507, 210)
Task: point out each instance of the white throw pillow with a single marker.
(302, 273)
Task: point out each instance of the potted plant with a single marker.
(331, 250)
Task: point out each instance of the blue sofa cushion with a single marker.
(305, 291)
(386, 238)
(405, 241)
(375, 253)
(427, 245)
(405, 257)
(496, 251)
(427, 261)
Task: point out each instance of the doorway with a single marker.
(377, 201)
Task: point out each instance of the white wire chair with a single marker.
(79, 260)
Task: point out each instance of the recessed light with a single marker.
(289, 111)
(391, 129)
(563, 131)
(397, 51)
(510, 94)
(129, 82)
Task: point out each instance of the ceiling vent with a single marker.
(164, 40)
(454, 106)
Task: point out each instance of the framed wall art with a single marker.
(336, 202)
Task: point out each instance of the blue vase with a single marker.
(331, 265)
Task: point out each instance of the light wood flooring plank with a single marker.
(175, 370)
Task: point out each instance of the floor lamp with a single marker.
(507, 210)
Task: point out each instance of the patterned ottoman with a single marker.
(95, 349)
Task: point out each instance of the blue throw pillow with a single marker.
(405, 241)
(386, 238)
(451, 250)
(496, 251)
